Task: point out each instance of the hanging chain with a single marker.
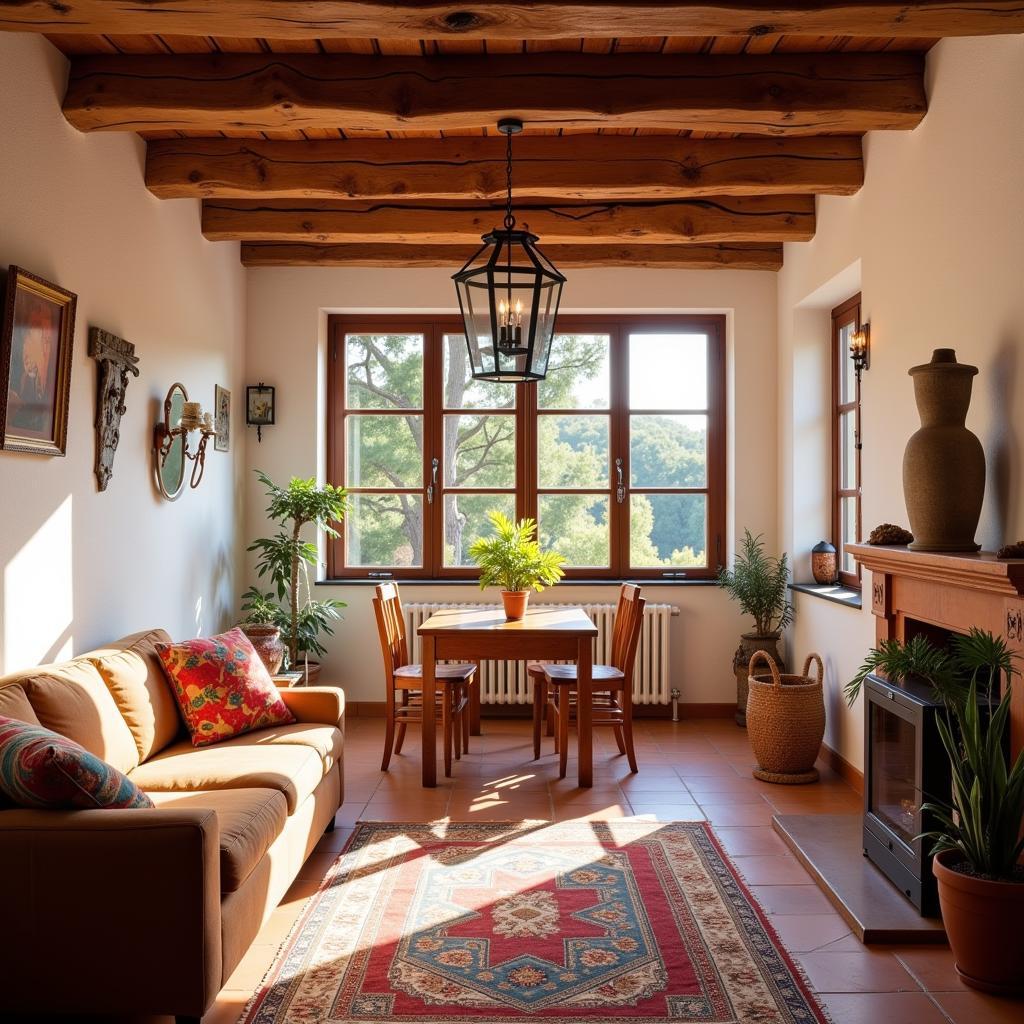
(510, 220)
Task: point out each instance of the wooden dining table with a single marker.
(553, 633)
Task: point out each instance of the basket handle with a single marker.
(770, 661)
(817, 660)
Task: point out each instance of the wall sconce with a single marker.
(259, 407)
(171, 442)
(860, 349)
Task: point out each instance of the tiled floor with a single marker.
(691, 770)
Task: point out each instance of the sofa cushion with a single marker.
(326, 740)
(249, 820)
(73, 700)
(14, 703)
(41, 768)
(222, 687)
(291, 768)
(132, 672)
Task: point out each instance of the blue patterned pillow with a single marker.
(41, 768)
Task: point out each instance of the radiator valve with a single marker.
(675, 703)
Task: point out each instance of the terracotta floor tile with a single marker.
(750, 840)
(779, 869)
(791, 899)
(253, 966)
(719, 813)
(887, 1008)
(933, 968)
(802, 933)
(863, 971)
(228, 1007)
(972, 1007)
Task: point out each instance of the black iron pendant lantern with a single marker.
(509, 293)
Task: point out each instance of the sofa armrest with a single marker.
(324, 705)
(110, 911)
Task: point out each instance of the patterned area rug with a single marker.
(567, 922)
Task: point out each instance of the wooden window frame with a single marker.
(845, 313)
(527, 492)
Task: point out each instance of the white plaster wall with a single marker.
(287, 310)
(80, 568)
(935, 242)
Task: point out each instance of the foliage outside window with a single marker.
(425, 452)
(846, 510)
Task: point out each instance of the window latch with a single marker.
(620, 490)
(380, 575)
(434, 463)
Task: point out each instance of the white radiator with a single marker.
(506, 682)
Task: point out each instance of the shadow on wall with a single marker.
(1003, 451)
(37, 606)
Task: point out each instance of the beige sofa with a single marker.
(149, 911)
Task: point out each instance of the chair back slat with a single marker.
(387, 607)
(629, 617)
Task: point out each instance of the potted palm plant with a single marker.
(513, 559)
(977, 839)
(285, 560)
(759, 583)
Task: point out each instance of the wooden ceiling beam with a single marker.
(573, 167)
(717, 219)
(497, 19)
(791, 94)
(735, 256)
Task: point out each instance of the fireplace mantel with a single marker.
(950, 591)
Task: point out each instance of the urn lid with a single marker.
(943, 361)
(823, 548)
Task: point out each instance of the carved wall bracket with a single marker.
(116, 359)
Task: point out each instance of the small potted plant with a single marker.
(512, 559)
(977, 839)
(759, 583)
(262, 625)
(286, 559)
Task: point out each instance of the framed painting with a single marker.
(222, 419)
(259, 405)
(37, 334)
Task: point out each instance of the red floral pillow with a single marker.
(222, 687)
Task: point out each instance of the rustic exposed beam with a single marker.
(737, 256)
(573, 167)
(717, 219)
(497, 19)
(790, 94)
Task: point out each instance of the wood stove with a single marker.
(905, 764)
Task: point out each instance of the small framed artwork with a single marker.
(259, 407)
(222, 419)
(37, 334)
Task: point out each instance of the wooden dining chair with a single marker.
(612, 686)
(404, 685)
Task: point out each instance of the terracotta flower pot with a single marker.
(267, 641)
(944, 464)
(750, 642)
(983, 924)
(312, 670)
(515, 602)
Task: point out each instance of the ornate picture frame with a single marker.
(37, 335)
(222, 418)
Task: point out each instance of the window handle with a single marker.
(620, 490)
(434, 463)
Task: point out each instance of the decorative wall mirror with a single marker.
(170, 442)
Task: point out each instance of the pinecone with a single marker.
(890, 533)
(1011, 550)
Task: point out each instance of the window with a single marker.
(619, 454)
(846, 525)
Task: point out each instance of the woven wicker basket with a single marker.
(785, 721)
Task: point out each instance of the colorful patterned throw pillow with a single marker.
(41, 768)
(223, 688)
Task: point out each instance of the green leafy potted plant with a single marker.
(513, 559)
(977, 839)
(286, 558)
(759, 583)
